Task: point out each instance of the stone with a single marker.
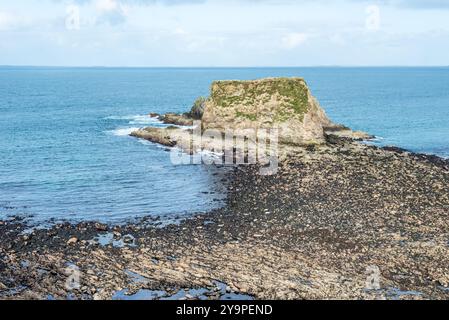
(128, 239)
(101, 227)
(72, 241)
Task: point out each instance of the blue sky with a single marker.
(224, 32)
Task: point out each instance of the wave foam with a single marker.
(136, 119)
(122, 132)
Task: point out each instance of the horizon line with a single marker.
(221, 67)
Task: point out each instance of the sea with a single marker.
(65, 153)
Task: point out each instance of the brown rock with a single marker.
(72, 241)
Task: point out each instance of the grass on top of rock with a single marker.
(248, 116)
(291, 93)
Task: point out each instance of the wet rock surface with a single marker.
(315, 230)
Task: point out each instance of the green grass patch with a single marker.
(292, 94)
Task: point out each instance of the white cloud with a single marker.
(106, 5)
(337, 39)
(180, 31)
(8, 21)
(218, 32)
(111, 11)
(204, 44)
(294, 40)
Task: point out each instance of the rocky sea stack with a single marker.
(285, 104)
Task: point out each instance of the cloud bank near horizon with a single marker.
(429, 4)
(223, 33)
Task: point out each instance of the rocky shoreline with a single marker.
(339, 219)
(331, 215)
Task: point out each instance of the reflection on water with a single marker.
(218, 293)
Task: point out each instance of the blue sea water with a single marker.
(65, 153)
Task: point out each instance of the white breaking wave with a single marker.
(136, 119)
(145, 120)
(153, 144)
(210, 154)
(122, 132)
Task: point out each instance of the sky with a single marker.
(222, 33)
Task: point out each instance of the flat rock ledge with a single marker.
(175, 136)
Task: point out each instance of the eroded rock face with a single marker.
(198, 107)
(283, 103)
